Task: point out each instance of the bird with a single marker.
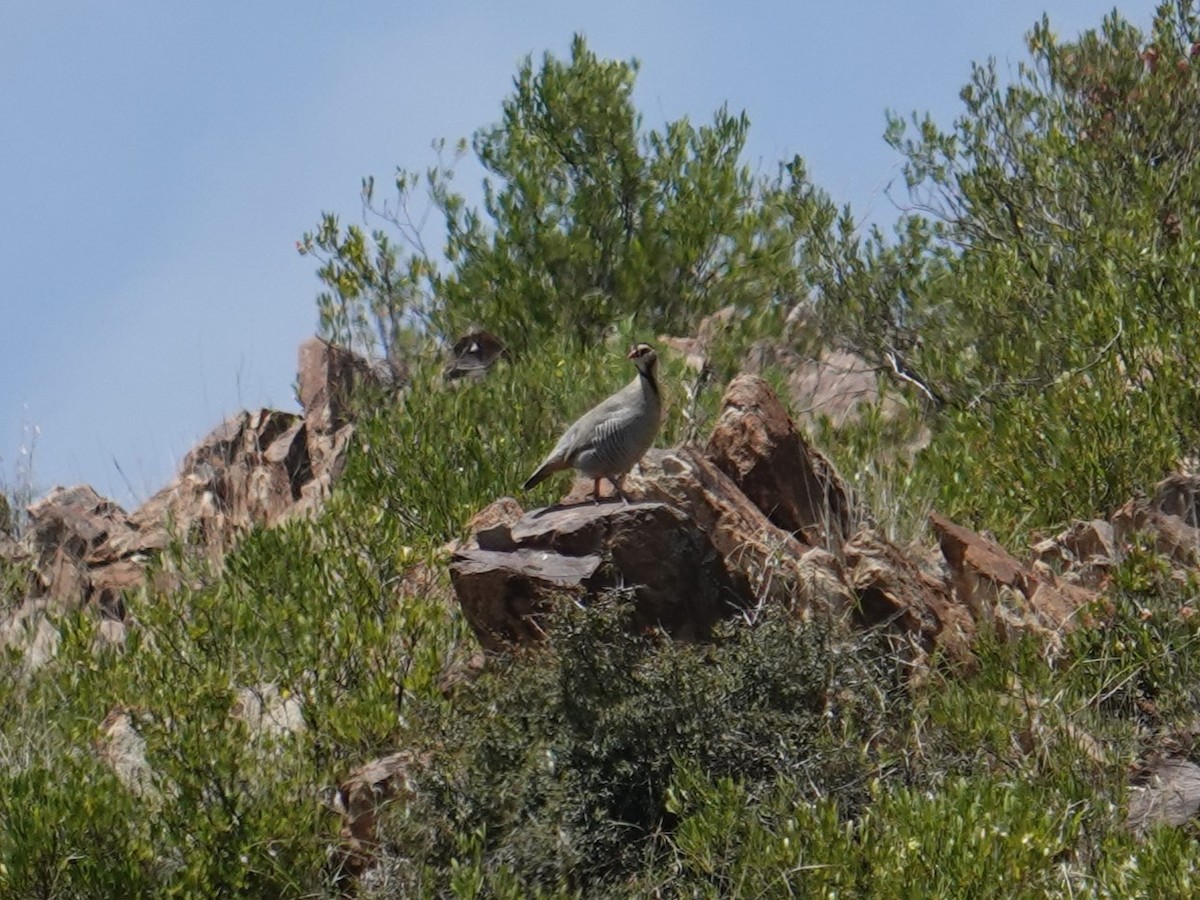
(609, 439)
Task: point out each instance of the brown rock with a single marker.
(254, 469)
(1083, 554)
(502, 594)
(328, 376)
(327, 454)
(822, 583)
(492, 525)
(79, 522)
(978, 566)
(249, 470)
(777, 567)
(361, 798)
(1173, 537)
(64, 579)
(1000, 590)
(769, 559)
(79, 540)
(756, 444)
(110, 582)
(679, 581)
(893, 590)
(288, 456)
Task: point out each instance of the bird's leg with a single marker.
(596, 491)
(616, 483)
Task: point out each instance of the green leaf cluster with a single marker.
(1055, 303)
(588, 218)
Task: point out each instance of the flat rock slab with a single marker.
(508, 574)
(1167, 793)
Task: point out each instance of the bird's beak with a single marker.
(632, 354)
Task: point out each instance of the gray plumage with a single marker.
(609, 439)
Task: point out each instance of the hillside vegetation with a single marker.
(1034, 312)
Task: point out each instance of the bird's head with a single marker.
(643, 357)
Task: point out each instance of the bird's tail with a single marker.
(544, 471)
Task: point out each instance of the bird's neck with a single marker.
(649, 381)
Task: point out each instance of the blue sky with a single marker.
(160, 160)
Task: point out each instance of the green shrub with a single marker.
(561, 762)
(68, 828)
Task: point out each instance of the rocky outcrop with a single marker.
(1084, 554)
(759, 517)
(767, 557)
(694, 546)
(257, 468)
(84, 550)
(29, 630)
(893, 591)
(252, 469)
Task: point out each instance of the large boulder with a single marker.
(770, 522)
(778, 567)
(507, 575)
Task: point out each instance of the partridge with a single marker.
(609, 439)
